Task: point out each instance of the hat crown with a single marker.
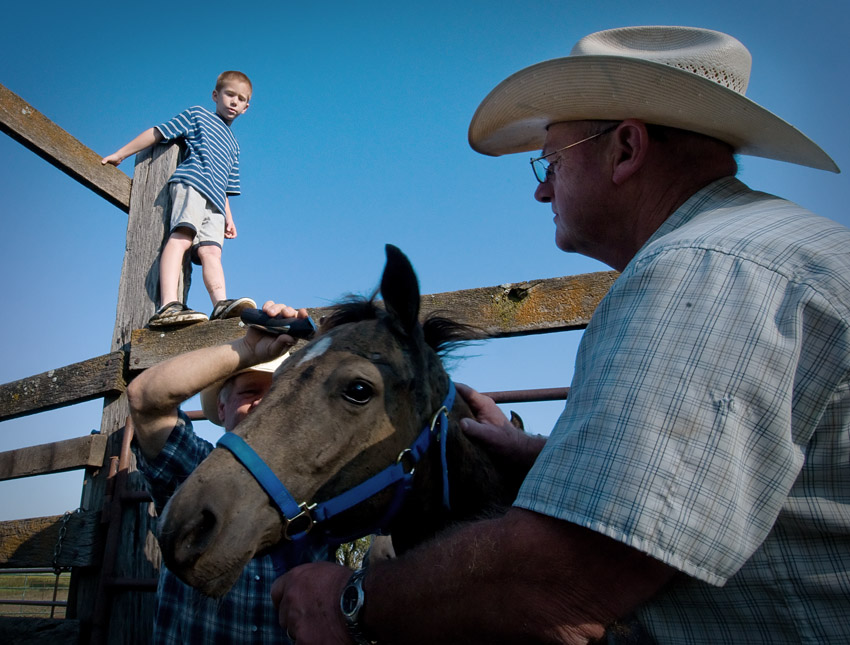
(680, 77)
(713, 55)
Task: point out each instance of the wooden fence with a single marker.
(108, 544)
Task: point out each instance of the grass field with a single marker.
(32, 586)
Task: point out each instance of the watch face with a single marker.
(350, 598)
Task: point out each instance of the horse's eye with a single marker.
(359, 392)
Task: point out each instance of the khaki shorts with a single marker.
(190, 209)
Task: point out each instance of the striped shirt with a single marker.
(211, 165)
(708, 423)
(246, 613)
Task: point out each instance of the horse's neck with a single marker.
(477, 489)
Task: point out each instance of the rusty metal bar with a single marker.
(38, 603)
(136, 497)
(530, 396)
(132, 584)
(506, 396)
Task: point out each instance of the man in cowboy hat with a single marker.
(232, 379)
(696, 487)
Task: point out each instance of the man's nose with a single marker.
(543, 192)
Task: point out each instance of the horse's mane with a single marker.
(442, 334)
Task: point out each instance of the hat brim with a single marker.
(209, 395)
(514, 116)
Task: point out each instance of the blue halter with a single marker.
(300, 519)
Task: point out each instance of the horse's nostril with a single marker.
(194, 539)
(204, 530)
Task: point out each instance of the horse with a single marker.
(348, 408)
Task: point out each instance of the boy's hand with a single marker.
(113, 159)
(229, 229)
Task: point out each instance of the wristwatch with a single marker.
(351, 603)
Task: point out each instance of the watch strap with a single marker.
(352, 618)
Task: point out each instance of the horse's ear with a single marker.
(400, 288)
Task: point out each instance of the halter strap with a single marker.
(400, 473)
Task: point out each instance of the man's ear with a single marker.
(220, 406)
(631, 145)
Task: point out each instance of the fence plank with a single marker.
(554, 304)
(32, 542)
(549, 305)
(63, 386)
(29, 127)
(56, 457)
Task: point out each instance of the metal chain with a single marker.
(58, 548)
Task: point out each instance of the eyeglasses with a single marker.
(543, 170)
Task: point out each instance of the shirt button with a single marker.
(256, 577)
(253, 628)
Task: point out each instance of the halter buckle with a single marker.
(305, 516)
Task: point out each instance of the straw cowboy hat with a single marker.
(683, 77)
(209, 396)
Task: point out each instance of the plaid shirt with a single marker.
(708, 423)
(246, 613)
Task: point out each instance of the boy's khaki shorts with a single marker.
(190, 209)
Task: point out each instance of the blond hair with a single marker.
(232, 75)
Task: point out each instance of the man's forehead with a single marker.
(250, 377)
(556, 132)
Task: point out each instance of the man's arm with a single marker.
(155, 394)
(146, 139)
(523, 578)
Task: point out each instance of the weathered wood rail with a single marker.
(108, 542)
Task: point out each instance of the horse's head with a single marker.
(339, 412)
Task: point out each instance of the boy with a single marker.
(200, 207)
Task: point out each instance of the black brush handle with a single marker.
(295, 327)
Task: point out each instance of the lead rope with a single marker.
(442, 439)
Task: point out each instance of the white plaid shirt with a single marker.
(708, 423)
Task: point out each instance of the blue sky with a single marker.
(356, 136)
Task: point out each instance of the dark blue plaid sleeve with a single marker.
(181, 454)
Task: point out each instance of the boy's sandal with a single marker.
(175, 314)
(231, 308)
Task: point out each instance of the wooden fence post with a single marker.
(147, 230)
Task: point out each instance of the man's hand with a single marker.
(229, 229)
(307, 602)
(263, 347)
(280, 310)
(492, 428)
